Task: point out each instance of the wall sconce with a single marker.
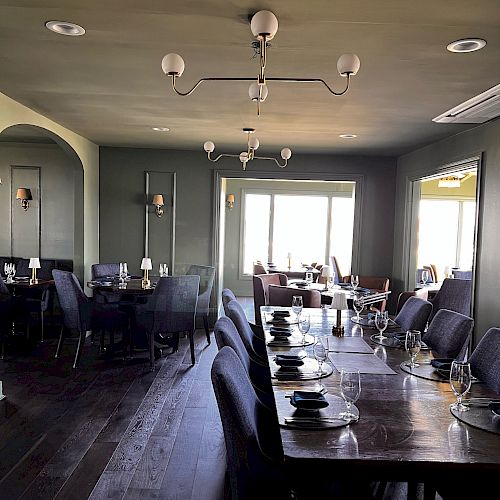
(34, 265)
(24, 194)
(230, 201)
(158, 203)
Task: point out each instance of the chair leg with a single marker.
(59, 343)
(151, 351)
(207, 332)
(191, 344)
(41, 320)
(79, 348)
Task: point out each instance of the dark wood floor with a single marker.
(110, 429)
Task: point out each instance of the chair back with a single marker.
(103, 270)
(449, 333)
(414, 314)
(255, 346)
(173, 304)
(258, 268)
(253, 442)
(4, 289)
(422, 293)
(227, 296)
(283, 295)
(485, 360)
(461, 275)
(454, 295)
(207, 276)
(72, 299)
(336, 269)
(261, 284)
(432, 274)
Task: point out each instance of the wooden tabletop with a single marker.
(405, 432)
(132, 286)
(28, 284)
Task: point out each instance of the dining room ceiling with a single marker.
(109, 87)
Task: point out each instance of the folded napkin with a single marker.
(308, 400)
(281, 314)
(288, 361)
(443, 364)
(275, 332)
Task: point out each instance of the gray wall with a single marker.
(122, 201)
(484, 139)
(58, 178)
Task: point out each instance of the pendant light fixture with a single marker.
(264, 26)
(249, 154)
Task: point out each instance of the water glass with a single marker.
(413, 343)
(425, 276)
(381, 322)
(320, 353)
(350, 389)
(358, 305)
(304, 326)
(309, 277)
(122, 274)
(297, 305)
(354, 281)
(163, 270)
(460, 381)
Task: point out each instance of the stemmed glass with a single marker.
(425, 276)
(350, 388)
(412, 344)
(297, 305)
(320, 353)
(460, 381)
(304, 325)
(163, 270)
(381, 322)
(354, 281)
(123, 273)
(309, 278)
(358, 305)
(10, 272)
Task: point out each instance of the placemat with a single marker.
(480, 417)
(365, 363)
(308, 371)
(390, 341)
(346, 344)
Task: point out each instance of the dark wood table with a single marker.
(406, 431)
(25, 284)
(132, 287)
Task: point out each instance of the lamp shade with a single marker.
(339, 301)
(146, 264)
(158, 199)
(209, 146)
(253, 92)
(253, 143)
(327, 272)
(286, 153)
(230, 198)
(243, 156)
(34, 263)
(173, 64)
(348, 64)
(23, 194)
(264, 23)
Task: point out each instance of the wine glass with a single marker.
(320, 353)
(122, 274)
(460, 381)
(358, 305)
(297, 305)
(125, 270)
(354, 281)
(304, 325)
(425, 276)
(350, 388)
(381, 321)
(412, 344)
(309, 278)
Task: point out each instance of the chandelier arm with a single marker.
(273, 159)
(312, 80)
(221, 155)
(208, 79)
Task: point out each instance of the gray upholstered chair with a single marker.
(414, 314)
(422, 293)
(461, 275)
(454, 295)
(449, 334)
(227, 296)
(254, 344)
(207, 276)
(104, 270)
(226, 334)
(261, 284)
(282, 296)
(253, 443)
(170, 310)
(485, 360)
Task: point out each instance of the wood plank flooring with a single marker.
(111, 428)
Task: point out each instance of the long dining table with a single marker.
(405, 431)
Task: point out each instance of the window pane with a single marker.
(467, 240)
(437, 233)
(341, 232)
(299, 228)
(256, 230)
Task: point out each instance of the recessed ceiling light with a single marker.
(65, 28)
(161, 129)
(466, 45)
(348, 136)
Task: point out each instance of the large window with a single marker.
(309, 227)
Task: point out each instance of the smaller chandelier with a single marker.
(249, 154)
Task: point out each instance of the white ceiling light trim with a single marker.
(348, 136)
(264, 26)
(248, 155)
(466, 45)
(161, 129)
(65, 28)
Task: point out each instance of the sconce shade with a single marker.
(173, 64)
(327, 272)
(253, 143)
(146, 264)
(209, 146)
(286, 153)
(339, 301)
(23, 194)
(243, 156)
(253, 92)
(264, 23)
(348, 64)
(230, 198)
(158, 199)
(34, 263)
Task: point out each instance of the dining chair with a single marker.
(253, 339)
(207, 276)
(104, 270)
(258, 268)
(432, 275)
(376, 283)
(261, 284)
(414, 314)
(227, 296)
(170, 310)
(283, 295)
(449, 333)
(455, 295)
(461, 275)
(485, 359)
(252, 437)
(226, 334)
(421, 293)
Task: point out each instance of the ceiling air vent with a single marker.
(479, 109)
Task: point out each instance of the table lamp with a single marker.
(327, 272)
(339, 302)
(34, 265)
(146, 266)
